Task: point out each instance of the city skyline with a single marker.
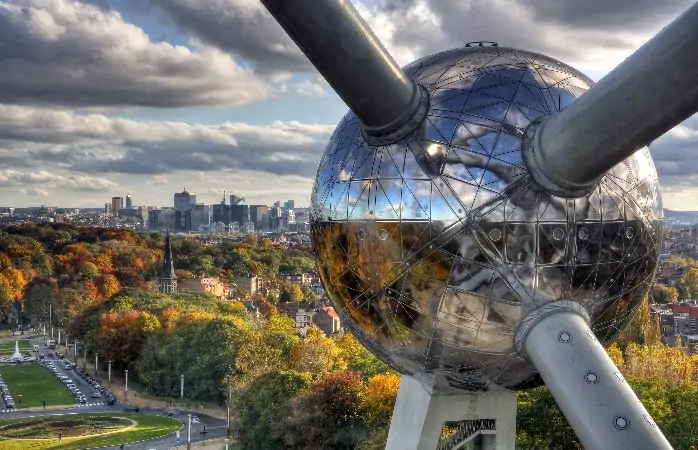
(256, 117)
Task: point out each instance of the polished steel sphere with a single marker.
(433, 248)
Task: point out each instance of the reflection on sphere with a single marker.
(433, 249)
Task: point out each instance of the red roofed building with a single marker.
(327, 320)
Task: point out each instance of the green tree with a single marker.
(261, 408)
(39, 297)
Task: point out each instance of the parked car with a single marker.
(131, 409)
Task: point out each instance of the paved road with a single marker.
(59, 364)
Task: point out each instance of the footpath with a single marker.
(136, 397)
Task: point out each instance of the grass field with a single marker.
(148, 427)
(8, 347)
(35, 383)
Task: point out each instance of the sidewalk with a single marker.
(136, 398)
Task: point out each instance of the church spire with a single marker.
(168, 268)
(168, 280)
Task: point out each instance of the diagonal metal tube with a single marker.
(653, 90)
(342, 47)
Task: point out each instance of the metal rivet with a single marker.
(583, 234)
(564, 337)
(383, 235)
(621, 423)
(362, 234)
(558, 234)
(591, 378)
(495, 235)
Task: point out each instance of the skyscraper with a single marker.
(117, 204)
(168, 280)
(129, 204)
(183, 202)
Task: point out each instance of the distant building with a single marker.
(183, 202)
(129, 203)
(208, 285)
(249, 284)
(117, 204)
(107, 208)
(327, 319)
(168, 280)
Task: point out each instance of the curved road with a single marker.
(216, 427)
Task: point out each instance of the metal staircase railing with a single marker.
(467, 429)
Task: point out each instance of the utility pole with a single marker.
(84, 358)
(50, 319)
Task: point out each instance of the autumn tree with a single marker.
(664, 294)
(359, 358)
(329, 415)
(316, 354)
(689, 283)
(290, 292)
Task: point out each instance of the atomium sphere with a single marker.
(433, 248)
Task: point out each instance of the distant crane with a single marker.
(239, 200)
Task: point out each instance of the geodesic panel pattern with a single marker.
(432, 249)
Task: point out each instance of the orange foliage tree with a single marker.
(121, 335)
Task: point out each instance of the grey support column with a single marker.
(652, 91)
(342, 47)
(594, 397)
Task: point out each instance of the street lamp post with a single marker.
(96, 360)
(50, 320)
(227, 441)
(189, 432)
(109, 372)
(126, 385)
(181, 387)
(84, 358)
(58, 341)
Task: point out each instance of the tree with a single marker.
(107, 285)
(261, 408)
(39, 297)
(359, 358)
(379, 398)
(689, 282)
(664, 294)
(329, 416)
(316, 354)
(290, 292)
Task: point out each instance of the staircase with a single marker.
(467, 430)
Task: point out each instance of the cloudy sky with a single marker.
(103, 97)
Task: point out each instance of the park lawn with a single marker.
(149, 427)
(35, 383)
(8, 347)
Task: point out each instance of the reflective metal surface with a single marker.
(433, 249)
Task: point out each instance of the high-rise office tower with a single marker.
(129, 204)
(240, 214)
(117, 204)
(257, 213)
(107, 208)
